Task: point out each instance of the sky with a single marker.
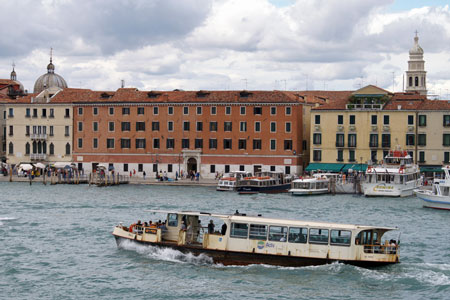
(226, 44)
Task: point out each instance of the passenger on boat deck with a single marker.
(183, 225)
(357, 241)
(283, 239)
(145, 224)
(236, 213)
(189, 233)
(224, 229)
(139, 223)
(211, 227)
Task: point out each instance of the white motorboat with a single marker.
(396, 176)
(315, 185)
(439, 195)
(228, 183)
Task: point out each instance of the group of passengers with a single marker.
(139, 226)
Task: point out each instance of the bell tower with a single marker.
(416, 76)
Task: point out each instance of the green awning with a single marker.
(431, 169)
(324, 167)
(355, 167)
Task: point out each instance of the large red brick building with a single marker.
(205, 131)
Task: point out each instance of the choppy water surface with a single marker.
(56, 243)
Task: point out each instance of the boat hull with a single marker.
(244, 258)
(434, 201)
(283, 188)
(304, 192)
(388, 190)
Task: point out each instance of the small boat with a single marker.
(315, 185)
(265, 182)
(228, 183)
(244, 240)
(396, 176)
(439, 195)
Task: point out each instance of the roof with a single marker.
(331, 167)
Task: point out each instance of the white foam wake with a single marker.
(6, 219)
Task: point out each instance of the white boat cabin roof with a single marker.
(269, 221)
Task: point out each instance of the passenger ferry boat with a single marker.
(439, 196)
(229, 183)
(315, 185)
(245, 240)
(265, 182)
(396, 176)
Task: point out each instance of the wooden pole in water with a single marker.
(45, 183)
(10, 174)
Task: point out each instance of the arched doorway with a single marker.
(192, 165)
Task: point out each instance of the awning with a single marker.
(25, 167)
(61, 165)
(39, 165)
(324, 167)
(354, 167)
(431, 169)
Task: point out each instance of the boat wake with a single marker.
(166, 254)
(6, 219)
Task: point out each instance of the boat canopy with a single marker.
(354, 167)
(330, 167)
(431, 169)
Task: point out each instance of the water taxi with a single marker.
(315, 185)
(228, 183)
(244, 240)
(439, 195)
(265, 182)
(395, 176)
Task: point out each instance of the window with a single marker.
(186, 125)
(11, 130)
(126, 126)
(446, 120)
(228, 110)
(287, 144)
(44, 112)
(257, 126)
(155, 110)
(352, 140)
(340, 140)
(257, 110)
(410, 119)
(34, 112)
(199, 110)
(125, 143)
(199, 126)
(156, 143)
(446, 157)
(242, 110)
(52, 149)
(421, 156)
(318, 236)
(110, 143)
(170, 126)
(374, 120)
(243, 126)
(422, 139)
(80, 126)
(125, 167)
(95, 143)
(11, 112)
(317, 155)
(27, 113)
(287, 170)
(317, 119)
(27, 148)
(185, 110)
(94, 126)
(446, 139)
(422, 120)
(351, 155)
(170, 143)
(373, 140)
(185, 143)
(125, 110)
(11, 148)
(169, 168)
(298, 235)
(67, 149)
(352, 120)
(288, 127)
(155, 126)
(155, 168)
(340, 237)
(212, 143)
(140, 110)
(242, 144)
(227, 126)
(256, 144)
(198, 143)
(111, 126)
(51, 130)
(66, 131)
(317, 138)
(273, 110)
(140, 167)
(80, 143)
(385, 140)
(273, 145)
(340, 119)
(94, 111)
(288, 111)
(373, 156)
(213, 110)
(410, 139)
(227, 144)
(172, 218)
(27, 130)
(258, 232)
(140, 126)
(111, 111)
(386, 120)
(80, 111)
(273, 126)
(170, 110)
(239, 230)
(241, 168)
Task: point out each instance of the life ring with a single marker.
(400, 171)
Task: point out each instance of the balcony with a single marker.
(410, 128)
(364, 106)
(340, 128)
(38, 136)
(38, 156)
(374, 128)
(339, 144)
(386, 128)
(352, 128)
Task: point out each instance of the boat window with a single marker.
(239, 230)
(318, 236)
(258, 232)
(277, 233)
(173, 220)
(298, 235)
(340, 237)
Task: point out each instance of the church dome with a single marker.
(51, 79)
(416, 49)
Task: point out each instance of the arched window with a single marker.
(39, 147)
(52, 149)
(27, 148)
(67, 149)
(44, 147)
(416, 81)
(34, 147)
(410, 81)
(11, 148)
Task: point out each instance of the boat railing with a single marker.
(381, 249)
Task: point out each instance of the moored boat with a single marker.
(315, 185)
(395, 176)
(228, 183)
(265, 182)
(439, 195)
(245, 240)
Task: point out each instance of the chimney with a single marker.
(122, 83)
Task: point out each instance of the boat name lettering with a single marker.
(270, 245)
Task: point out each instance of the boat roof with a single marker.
(311, 179)
(260, 219)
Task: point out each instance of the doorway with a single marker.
(192, 165)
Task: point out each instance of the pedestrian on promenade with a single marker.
(144, 174)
